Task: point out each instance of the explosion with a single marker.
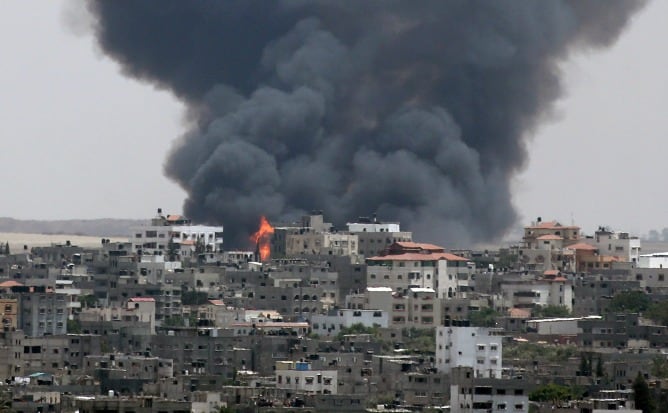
(262, 238)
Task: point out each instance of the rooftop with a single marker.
(416, 256)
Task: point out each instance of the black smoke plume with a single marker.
(415, 110)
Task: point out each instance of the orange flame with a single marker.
(262, 238)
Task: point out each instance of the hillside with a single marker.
(104, 227)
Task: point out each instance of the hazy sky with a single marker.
(81, 141)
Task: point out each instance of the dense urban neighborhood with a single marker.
(316, 318)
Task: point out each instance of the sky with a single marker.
(79, 140)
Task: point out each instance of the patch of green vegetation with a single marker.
(550, 311)
(485, 317)
(535, 351)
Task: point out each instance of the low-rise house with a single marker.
(458, 344)
(469, 393)
(300, 378)
(332, 324)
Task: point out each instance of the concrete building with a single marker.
(375, 236)
(414, 307)
(43, 312)
(313, 223)
(472, 394)
(409, 264)
(543, 246)
(614, 243)
(300, 378)
(656, 260)
(618, 331)
(547, 291)
(135, 310)
(127, 366)
(558, 326)
(175, 236)
(327, 243)
(9, 307)
(460, 345)
(332, 324)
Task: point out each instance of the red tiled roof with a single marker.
(10, 283)
(551, 272)
(174, 217)
(552, 225)
(434, 256)
(419, 245)
(581, 246)
(216, 302)
(142, 299)
(519, 313)
(550, 237)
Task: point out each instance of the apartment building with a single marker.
(301, 378)
(470, 393)
(409, 264)
(43, 312)
(458, 344)
(550, 290)
(332, 324)
(375, 236)
(414, 307)
(615, 243)
(176, 237)
(544, 245)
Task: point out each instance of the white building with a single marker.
(332, 324)
(299, 377)
(618, 244)
(656, 260)
(557, 291)
(460, 345)
(175, 235)
(374, 226)
(72, 296)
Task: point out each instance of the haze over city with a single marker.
(81, 140)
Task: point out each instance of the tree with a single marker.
(194, 298)
(88, 301)
(551, 392)
(7, 252)
(73, 327)
(6, 402)
(599, 367)
(172, 250)
(551, 311)
(658, 312)
(357, 328)
(585, 365)
(629, 301)
(641, 395)
(659, 367)
(485, 317)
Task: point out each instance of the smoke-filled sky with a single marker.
(345, 110)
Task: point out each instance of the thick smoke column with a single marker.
(415, 110)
